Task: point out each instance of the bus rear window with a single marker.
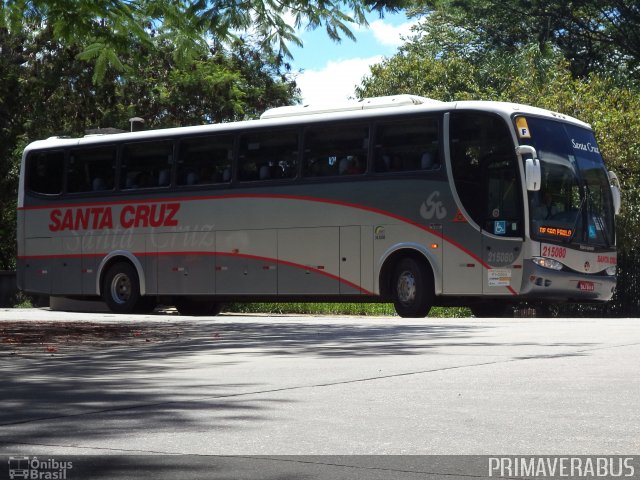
(45, 171)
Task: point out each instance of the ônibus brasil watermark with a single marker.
(36, 469)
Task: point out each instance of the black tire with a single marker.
(412, 288)
(121, 289)
(492, 310)
(198, 307)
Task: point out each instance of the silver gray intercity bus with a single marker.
(395, 199)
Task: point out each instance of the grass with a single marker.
(22, 301)
(361, 309)
(356, 309)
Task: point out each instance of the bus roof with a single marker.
(291, 115)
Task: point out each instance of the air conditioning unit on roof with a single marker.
(364, 104)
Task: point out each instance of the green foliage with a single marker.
(368, 309)
(595, 36)
(371, 309)
(105, 29)
(10, 103)
(45, 90)
(448, 63)
(22, 301)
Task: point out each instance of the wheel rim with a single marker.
(406, 287)
(121, 288)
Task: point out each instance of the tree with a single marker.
(10, 130)
(594, 35)
(46, 91)
(448, 63)
(106, 28)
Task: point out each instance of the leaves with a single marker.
(595, 36)
(49, 87)
(105, 29)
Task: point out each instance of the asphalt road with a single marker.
(101, 384)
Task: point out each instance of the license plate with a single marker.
(587, 286)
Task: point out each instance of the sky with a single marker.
(329, 71)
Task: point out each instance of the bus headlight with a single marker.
(611, 271)
(548, 263)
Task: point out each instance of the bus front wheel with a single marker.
(412, 288)
(121, 290)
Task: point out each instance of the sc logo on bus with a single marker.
(433, 207)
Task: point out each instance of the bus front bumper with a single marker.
(546, 284)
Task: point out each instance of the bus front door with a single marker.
(486, 179)
(502, 225)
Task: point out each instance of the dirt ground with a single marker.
(55, 336)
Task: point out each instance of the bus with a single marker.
(397, 199)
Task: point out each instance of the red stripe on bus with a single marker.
(319, 270)
(282, 197)
(272, 196)
(218, 254)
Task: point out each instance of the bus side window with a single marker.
(407, 145)
(336, 150)
(91, 170)
(205, 160)
(269, 155)
(146, 165)
(45, 171)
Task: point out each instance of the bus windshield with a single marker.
(574, 204)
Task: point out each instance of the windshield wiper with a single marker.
(579, 214)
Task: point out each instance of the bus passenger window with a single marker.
(45, 172)
(205, 160)
(146, 165)
(336, 150)
(91, 170)
(268, 155)
(407, 145)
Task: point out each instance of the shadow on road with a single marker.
(130, 375)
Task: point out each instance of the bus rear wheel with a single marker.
(412, 288)
(198, 307)
(121, 290)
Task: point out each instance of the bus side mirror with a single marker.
(532, 170)
(615, 192)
